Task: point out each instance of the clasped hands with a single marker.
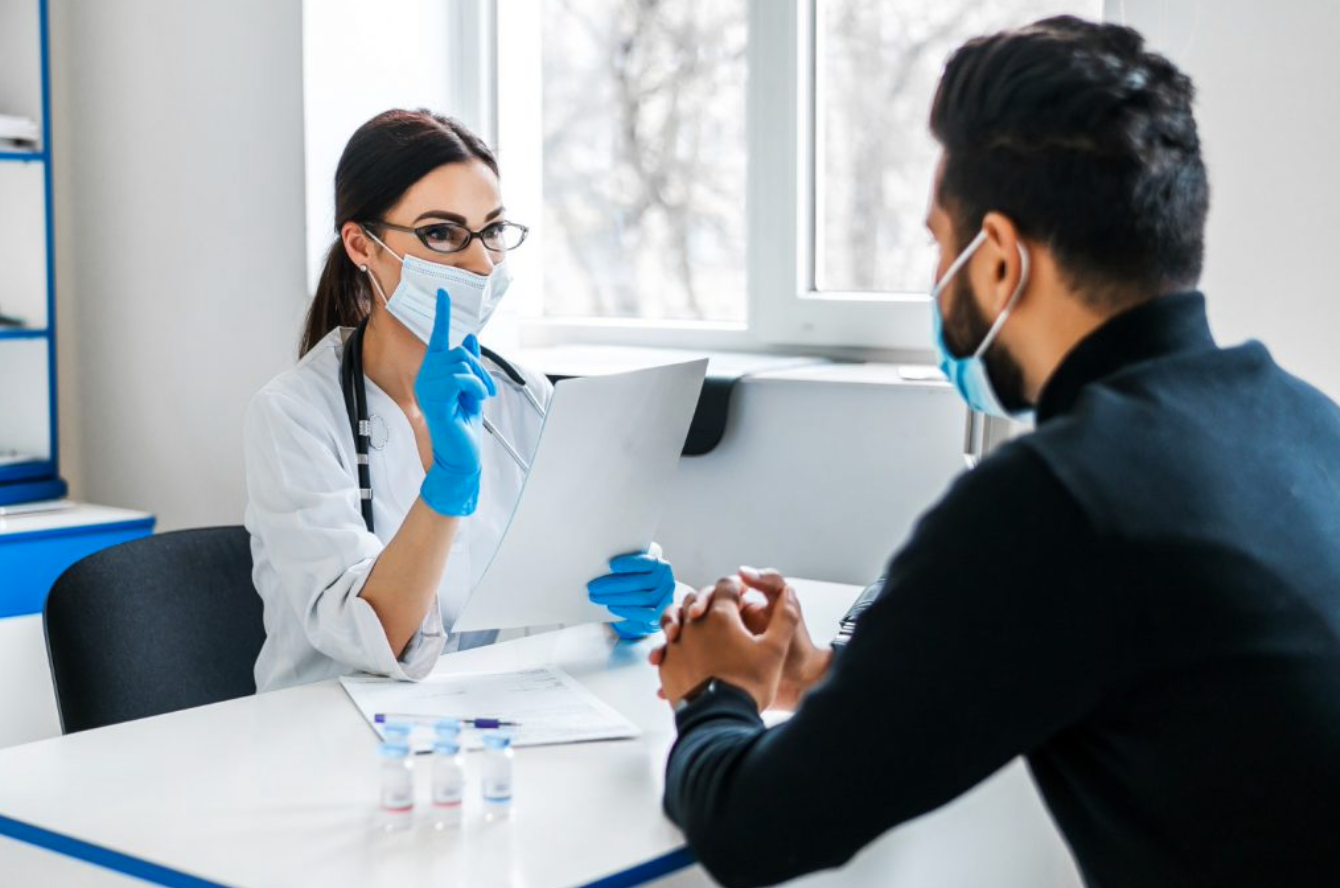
(760, 646)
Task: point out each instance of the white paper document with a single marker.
(548, 705)
(608, 453)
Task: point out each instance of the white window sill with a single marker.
(591, 360)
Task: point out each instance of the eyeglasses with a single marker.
(448, 237)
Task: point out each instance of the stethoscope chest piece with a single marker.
(378, 432)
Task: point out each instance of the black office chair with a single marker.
(154, 625)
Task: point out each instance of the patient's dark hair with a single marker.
(1086, 141)
(383, 160)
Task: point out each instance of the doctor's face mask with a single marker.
(474, 297)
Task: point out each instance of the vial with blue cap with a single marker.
(497, 778)
(448, 775)
(396, 808)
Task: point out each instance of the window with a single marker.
(643, 158)
(727, 173)
(877, 68)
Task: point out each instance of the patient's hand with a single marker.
(805, 663)
(717, 644)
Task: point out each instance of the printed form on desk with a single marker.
(547, 704)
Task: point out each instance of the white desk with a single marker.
(280, 789)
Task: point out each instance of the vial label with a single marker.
(399, 797)
(447, 796)
(498, 788)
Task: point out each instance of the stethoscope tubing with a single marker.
(354, 386)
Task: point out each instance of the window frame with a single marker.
(473, 48)
(784, 184)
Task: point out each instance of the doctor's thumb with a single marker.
(471, 343)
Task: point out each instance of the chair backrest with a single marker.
(154, 625)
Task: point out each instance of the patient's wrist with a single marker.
(807, 670)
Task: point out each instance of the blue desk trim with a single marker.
(101, 856)
(106, 858)
(78, 530)
(656, 868)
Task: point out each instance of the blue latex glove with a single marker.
(640, 588)
(451, 388)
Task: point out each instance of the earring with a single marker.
(363, 268)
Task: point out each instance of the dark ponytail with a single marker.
(383, 160)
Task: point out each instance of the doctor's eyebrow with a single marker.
(456, 217)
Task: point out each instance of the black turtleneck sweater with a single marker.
(1142, 597)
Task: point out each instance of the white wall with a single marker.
(1267, 75)
(179, 193)
(360, 59)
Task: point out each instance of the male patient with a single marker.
(1142, 597)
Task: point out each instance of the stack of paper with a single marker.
(14, 457)
(19, 132)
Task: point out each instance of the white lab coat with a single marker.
(310, 548)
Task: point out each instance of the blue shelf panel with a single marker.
(32, 562)
(45, 488)
(37, 468)
(23, 333)
(24, 156)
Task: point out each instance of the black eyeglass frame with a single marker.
(421, 233)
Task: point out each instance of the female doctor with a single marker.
(383, 467)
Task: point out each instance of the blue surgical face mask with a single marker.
(969, 374)
(474, 297)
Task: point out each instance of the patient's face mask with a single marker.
(969, 374)
(474, 297)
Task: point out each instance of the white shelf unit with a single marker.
(22, 58)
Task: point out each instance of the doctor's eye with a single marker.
(502, 236)
(444, 236)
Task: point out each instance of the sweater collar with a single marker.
(1156, 328)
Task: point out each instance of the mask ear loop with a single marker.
(381, 244)
(1009, 306)
(375, 285)
(367, 271)
(937, 287)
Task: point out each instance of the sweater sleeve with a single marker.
(986, 641)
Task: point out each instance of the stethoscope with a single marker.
(355, 391)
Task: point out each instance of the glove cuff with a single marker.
(449, 493)
(630, 630)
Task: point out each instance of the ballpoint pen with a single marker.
(482, 723)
